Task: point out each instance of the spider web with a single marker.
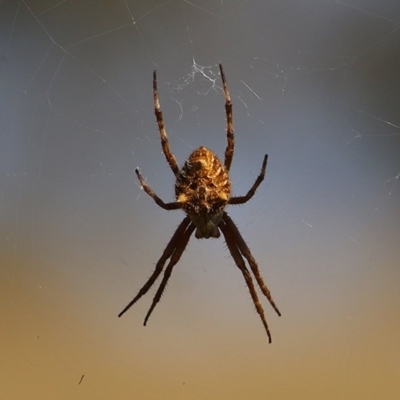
(315, 84)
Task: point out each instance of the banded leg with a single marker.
(251, 192)
(163, 134)
(169, 251)
(242, 246)
(230, 241)
(175, 257)
(229, 122)
(166, 206)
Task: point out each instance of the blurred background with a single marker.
(315, 84)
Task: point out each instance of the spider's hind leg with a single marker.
(169, 251)
(175, 257)
(235, 252)
(243, 248)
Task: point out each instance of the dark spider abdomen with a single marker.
(203, 187)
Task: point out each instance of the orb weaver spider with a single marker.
(202, 191)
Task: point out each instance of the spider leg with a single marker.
(176, 255)
(241, 244)
(250, 193)
(166, 206)
(229, 122)
(169, 250)
(163, 134)
(230, 241)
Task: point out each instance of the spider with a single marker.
(203, 190)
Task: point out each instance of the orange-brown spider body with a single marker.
(203, 188)
(202, 191)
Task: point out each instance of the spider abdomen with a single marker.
(203, 187)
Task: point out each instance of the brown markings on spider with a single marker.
(203, 188)
(202, 191)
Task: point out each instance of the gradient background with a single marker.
(315, 84)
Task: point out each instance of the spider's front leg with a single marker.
(166, 206)
(229, 122)
(161, 127)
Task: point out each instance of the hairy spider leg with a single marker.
(163, 134)
(251, 192)
(168, 252)
(243, 248)
(229, 122)
(235, 252)
(175, 257)
(166, 206)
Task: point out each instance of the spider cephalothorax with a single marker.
(203, 190)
